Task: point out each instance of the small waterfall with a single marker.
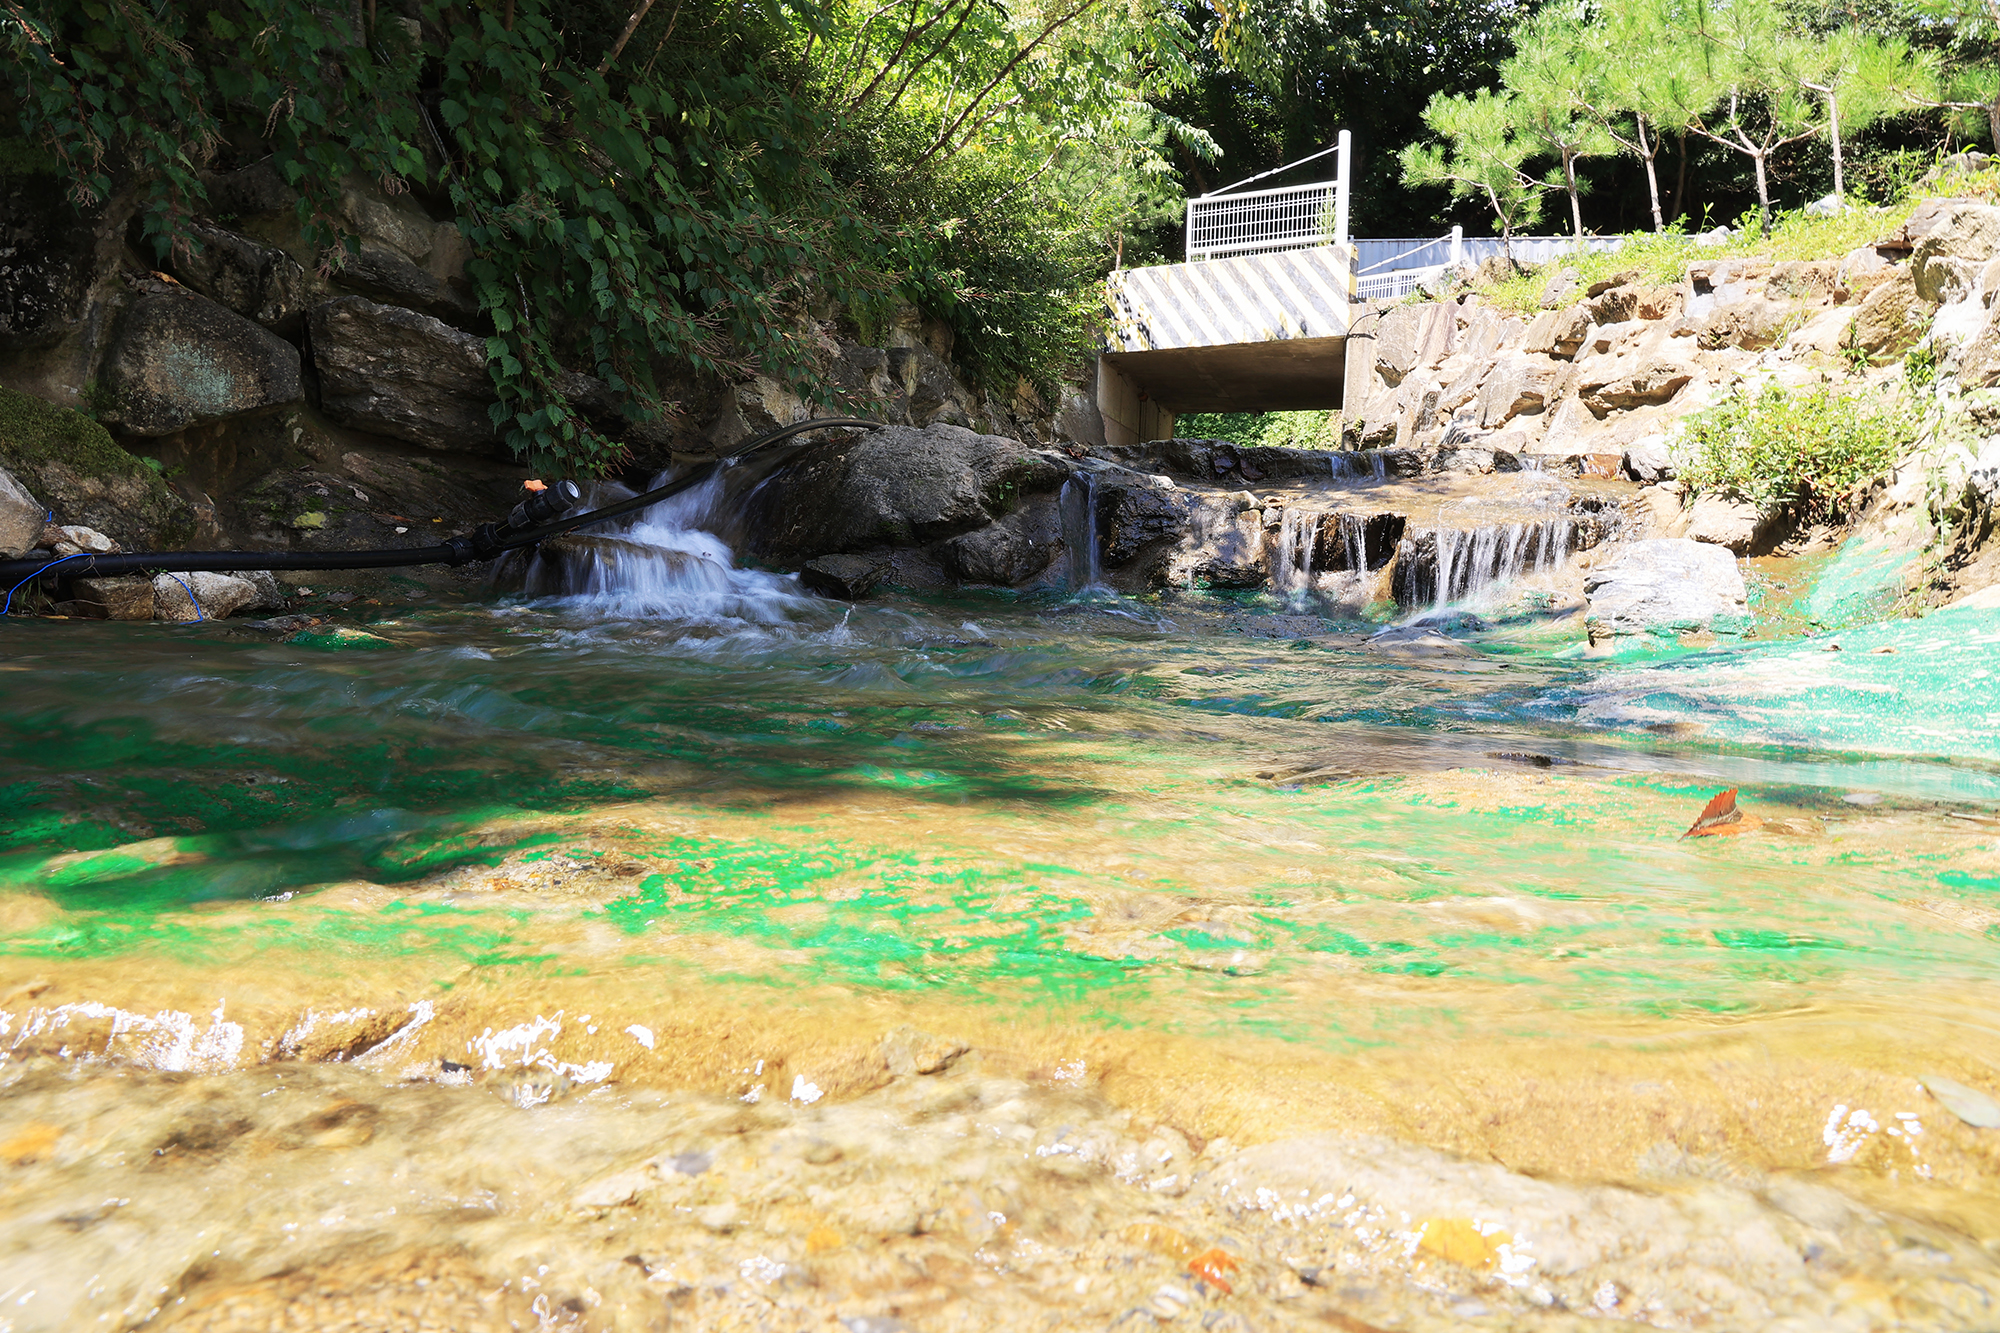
(1358, 465)
(1298, 538)
(1359, 542)
(1445, 565)
(665, 562)
(1077, 507)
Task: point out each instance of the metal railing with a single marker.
(1291, 217)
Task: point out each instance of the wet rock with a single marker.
(1647, 459)
(256, 281)
(70, 464)
(1721, 520)
(1666, 584)
(215, 596)
(1012, 551)
(182, 360)
(127, 598)
(398, 373)
(1893, 318)
(909, 1050)
(848, 577)
(1133, 517)
(1970, 1105)
(1466, 458)
(75, 539)
(21, 517)
(897, 486)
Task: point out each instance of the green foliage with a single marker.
(680, 188)
(1657, 258)
(1293, 430)
(1482, 158)
(1808, 450)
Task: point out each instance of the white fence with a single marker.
(1410, 261)
(1291, 217)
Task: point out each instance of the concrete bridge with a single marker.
(1258, 319)
(1252, 333)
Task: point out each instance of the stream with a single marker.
(685, 950)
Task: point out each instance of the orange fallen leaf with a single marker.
(1720, 816)
(534, 485)
(1210, 1265)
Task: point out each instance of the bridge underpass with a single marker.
(1255, 333)
(1256, 321)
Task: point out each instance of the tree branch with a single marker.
(631, 26)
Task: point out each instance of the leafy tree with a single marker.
(1739, 91)
(1552, 102)
(1860, 78)
(1636, 64)
(1482, 156)
(652, 189)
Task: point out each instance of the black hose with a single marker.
(483, 543)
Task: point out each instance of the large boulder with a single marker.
(69, 462)
(1946, 260)
(1665, 585)
(1014, 550)
(215, 596)
(183, 360)
(21, 518)
(1892, 319)
(1517, 384)
(256, 281)
(1723, 520)
(398, 373)
(1624, 385)
(1751, 325)
(381, 274)
(897, 486)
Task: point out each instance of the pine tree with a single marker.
(1483, 155)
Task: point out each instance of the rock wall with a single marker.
(249, 393)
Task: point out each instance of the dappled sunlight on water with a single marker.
(995, 959)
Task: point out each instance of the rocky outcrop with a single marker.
(1666, 585)
(182, 360)
(259, 282)
(70, 465)
(398, 373)
(21, 518)
(898, 486)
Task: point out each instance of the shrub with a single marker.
(1805, 450)
(1295, 430)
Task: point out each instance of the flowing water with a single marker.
(687, 951)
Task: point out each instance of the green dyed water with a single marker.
(1226, 863)
(1175, 750)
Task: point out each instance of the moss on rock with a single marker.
(71, 464)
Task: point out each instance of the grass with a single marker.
(1663, 257)
(1294, 430)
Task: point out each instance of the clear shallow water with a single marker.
(1236, 872)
